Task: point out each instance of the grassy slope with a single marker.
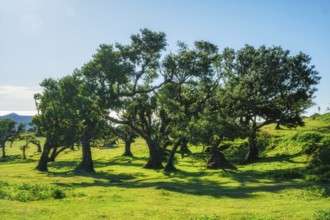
(122, 189)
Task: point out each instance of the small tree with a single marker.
(8, 132)
(48, 120)
(28, 138)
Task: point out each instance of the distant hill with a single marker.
(19, 119)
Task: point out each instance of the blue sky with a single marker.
(46, 38)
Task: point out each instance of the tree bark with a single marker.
(170, 165)
(278, 126)
(155, 155)
(53, 155)
(184, 147)
(56, 152)
(128, 152)
(39, 148)
(87, 161)
(3, 151)
(24, 155)
(252, 154)
(37, 143)
(43, 161)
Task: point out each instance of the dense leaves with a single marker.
(8, 132)
(267, 85)
(195, 95)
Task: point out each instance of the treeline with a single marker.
(195, 95)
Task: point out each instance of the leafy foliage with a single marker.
(267, 85)
(322, 214)
(8, 132)
(28, 192)
(195, 95)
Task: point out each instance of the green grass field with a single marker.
(122, 189)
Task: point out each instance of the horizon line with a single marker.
(22, 113)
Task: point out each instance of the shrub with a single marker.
(309, 147)
(318, 191)
(29, 192)
(236, 151)
(322, 214)
(311, 137)
(319, 165)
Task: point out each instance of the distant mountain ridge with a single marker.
(19, 119)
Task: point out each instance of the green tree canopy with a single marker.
(267, 85)
(8, 132)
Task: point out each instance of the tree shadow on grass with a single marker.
(235, 184)
(60, 165)
(282, 158)
(123, 161)
(98, 179)
(190, 186)
(119, 160)
(100, 176)
(184, 182)
(13, 159)
(280, 176)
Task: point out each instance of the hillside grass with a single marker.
(272, 188)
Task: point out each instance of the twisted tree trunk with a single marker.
(43, 161)
(170, 165)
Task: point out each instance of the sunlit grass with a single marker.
(122, 189)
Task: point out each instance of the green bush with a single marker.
(318, 191)
(29, 192)
(234, 150)
(323, 214)
(310, 136)
(318, 168)
(309, 147)
(321, 157)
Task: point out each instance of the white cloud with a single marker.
(17, 92)
(17, 98)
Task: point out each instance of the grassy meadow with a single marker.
(273, 188)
